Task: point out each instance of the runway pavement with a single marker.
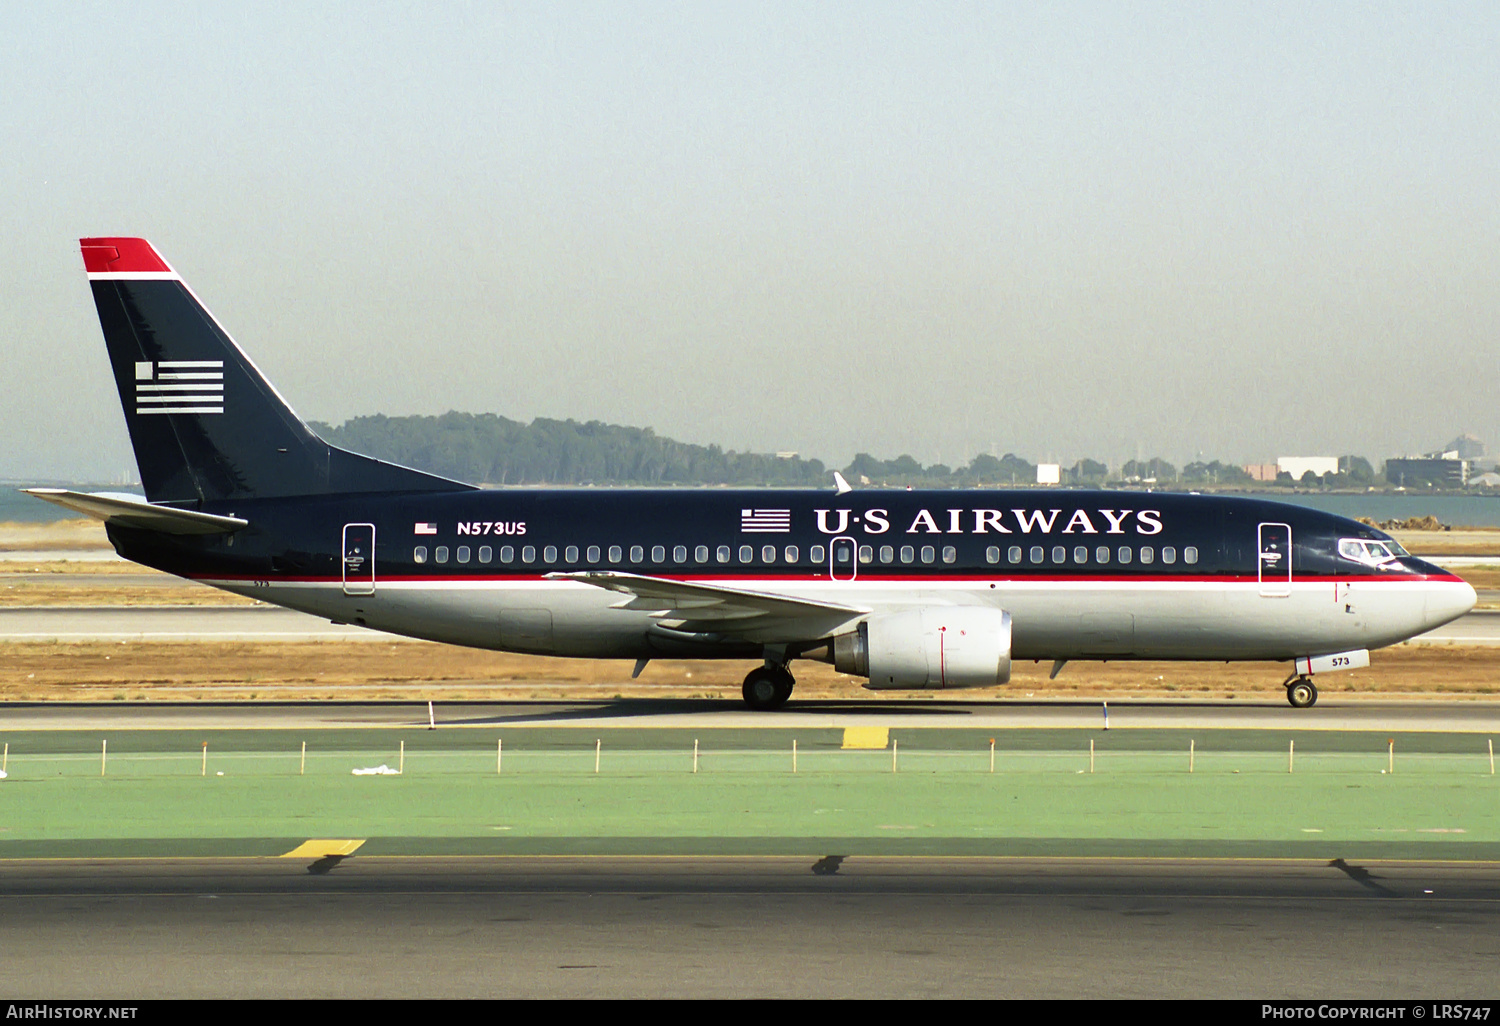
(821, 925)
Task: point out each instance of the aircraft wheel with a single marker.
(767, 688)
(784, 686)
(1302, 693)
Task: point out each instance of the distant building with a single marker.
(1299, 465)
(1490, 480)
(1048, 473)
(1442, 471)
(1466, 447)
(1261, 471)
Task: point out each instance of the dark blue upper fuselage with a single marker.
(897, 534)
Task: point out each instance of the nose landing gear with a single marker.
(1301, 692)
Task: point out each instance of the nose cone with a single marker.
(1447, 601)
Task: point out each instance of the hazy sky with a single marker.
(1057, 229)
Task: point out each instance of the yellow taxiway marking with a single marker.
(317, 849)
(866, 737)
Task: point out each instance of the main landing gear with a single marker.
(768, 687)
(1301, 692)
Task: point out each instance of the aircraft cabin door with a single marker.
(359, 559)
(843, 559)
(1275, 558)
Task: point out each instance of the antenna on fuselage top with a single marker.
(840, 485)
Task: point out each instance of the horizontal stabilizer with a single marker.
(130, 511)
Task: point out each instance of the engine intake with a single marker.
(932, 647)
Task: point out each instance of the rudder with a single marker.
(204, 422)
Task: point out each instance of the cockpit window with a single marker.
(1371, 553)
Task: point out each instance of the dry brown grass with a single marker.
(1466, 541)
(21, 592)
(82, 533)
(93, 671)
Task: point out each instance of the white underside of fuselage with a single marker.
(1193, 620)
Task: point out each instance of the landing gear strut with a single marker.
(1301, 693)
(768, 687)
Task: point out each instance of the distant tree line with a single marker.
(489, 449)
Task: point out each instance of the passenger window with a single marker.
(570, 554)
(747, 553)
(928, 553)
(768, 554)
(866, 554)
(549, 554)
(791, 553)
(419, 554)
(992, 554)
(593, 554)
(908, 553)
(615, 554)
(722, 554)
(1147, 554)
(1168, 554)
(486, 554)
(1190, 554)
(463, 553)
(679, 553)
(1059, 554)
(637, 554)
(1101, 554)
(700, 554)
(1080, 553)
(950, 553)
(1038, 554)
(658, 554)
(887, 554)
(441, 553)
(816, 553)
(1123, 554)
(1014, 554)
(507, 553)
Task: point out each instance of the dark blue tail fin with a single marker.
(205, 424)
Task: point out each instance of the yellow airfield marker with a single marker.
(317, 849)
(866, 737)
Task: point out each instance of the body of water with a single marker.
(1453, 510)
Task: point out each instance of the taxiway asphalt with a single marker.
(818, 926)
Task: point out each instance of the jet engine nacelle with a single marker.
(931, 647)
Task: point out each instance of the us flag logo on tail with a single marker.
(179, 386)
(766, 521)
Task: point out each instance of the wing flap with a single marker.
(735, 612)
(130, 511)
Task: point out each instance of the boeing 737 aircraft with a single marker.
(909, 589)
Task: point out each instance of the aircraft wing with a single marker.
(132, 511)
(728, 612)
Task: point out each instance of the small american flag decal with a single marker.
(423, 528)
(179, 386)
(766, 521)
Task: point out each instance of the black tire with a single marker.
(767, 688)
(1302, 694)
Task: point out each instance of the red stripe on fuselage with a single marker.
(880, 578)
